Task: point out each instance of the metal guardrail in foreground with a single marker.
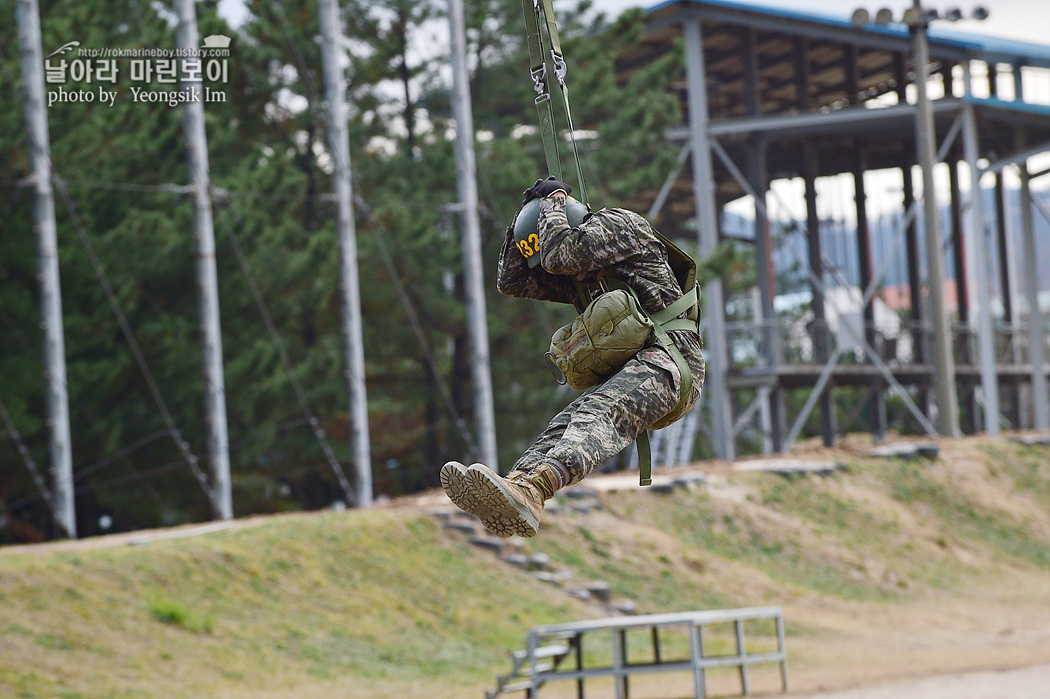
(537, 670)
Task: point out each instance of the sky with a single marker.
(1020, 20)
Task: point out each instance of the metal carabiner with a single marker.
(539, 81)
(557, 373)
(561, 70)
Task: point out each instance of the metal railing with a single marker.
(537, 673)
(762, 343)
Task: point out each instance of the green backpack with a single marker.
(611, 330)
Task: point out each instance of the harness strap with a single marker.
(680, 324)
(677, 308)
(547, 6)
(645, 458)
(664, 321)
(664, 340)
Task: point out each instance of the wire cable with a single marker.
(183, 446)
(286, 362)
(38, 479)
(75, 409)
(119, 454)
(417, 328)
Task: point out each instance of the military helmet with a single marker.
(525, 236)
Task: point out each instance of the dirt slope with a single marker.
(885, 569)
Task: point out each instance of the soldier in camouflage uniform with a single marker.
(603, 421)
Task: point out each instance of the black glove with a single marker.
(545, 188)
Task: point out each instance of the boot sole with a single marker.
(481, 493)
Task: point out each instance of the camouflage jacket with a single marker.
(611, 242)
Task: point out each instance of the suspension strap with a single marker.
(538, 72)
(533, 9)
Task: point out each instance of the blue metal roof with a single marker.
(995, 48)
(985, 48)
(1039, 110)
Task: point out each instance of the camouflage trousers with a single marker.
(606, 419)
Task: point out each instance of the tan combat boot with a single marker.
(506, 506)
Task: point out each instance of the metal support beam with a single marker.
(1006, 251)
(353, 340)
(883, 369)
(756, 406)
(985, 338)
(668, 185)
(947, 68)
(1036, 323)
(914, 258)
(877, 404)
(207, 278)
(1040, 173)
(1007, 282)
(1029, 254)
(772, 413)
(474, 285)
(820, 331)
(943, 358)
(912, 254)
(60, 448)
(707, 238)
(955, 235)
(1020, 156)
(964, 279)
(816, 124)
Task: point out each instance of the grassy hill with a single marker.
(885, 568)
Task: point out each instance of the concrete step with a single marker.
(550, 651)
(790, 467)
(906, 450)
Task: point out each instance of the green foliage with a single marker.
(369, 597)
(168, 611)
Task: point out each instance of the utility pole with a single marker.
(339, 151)
(715, 384)
(207, 280)
(60, 448)
(943, 357)
(467, 191)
